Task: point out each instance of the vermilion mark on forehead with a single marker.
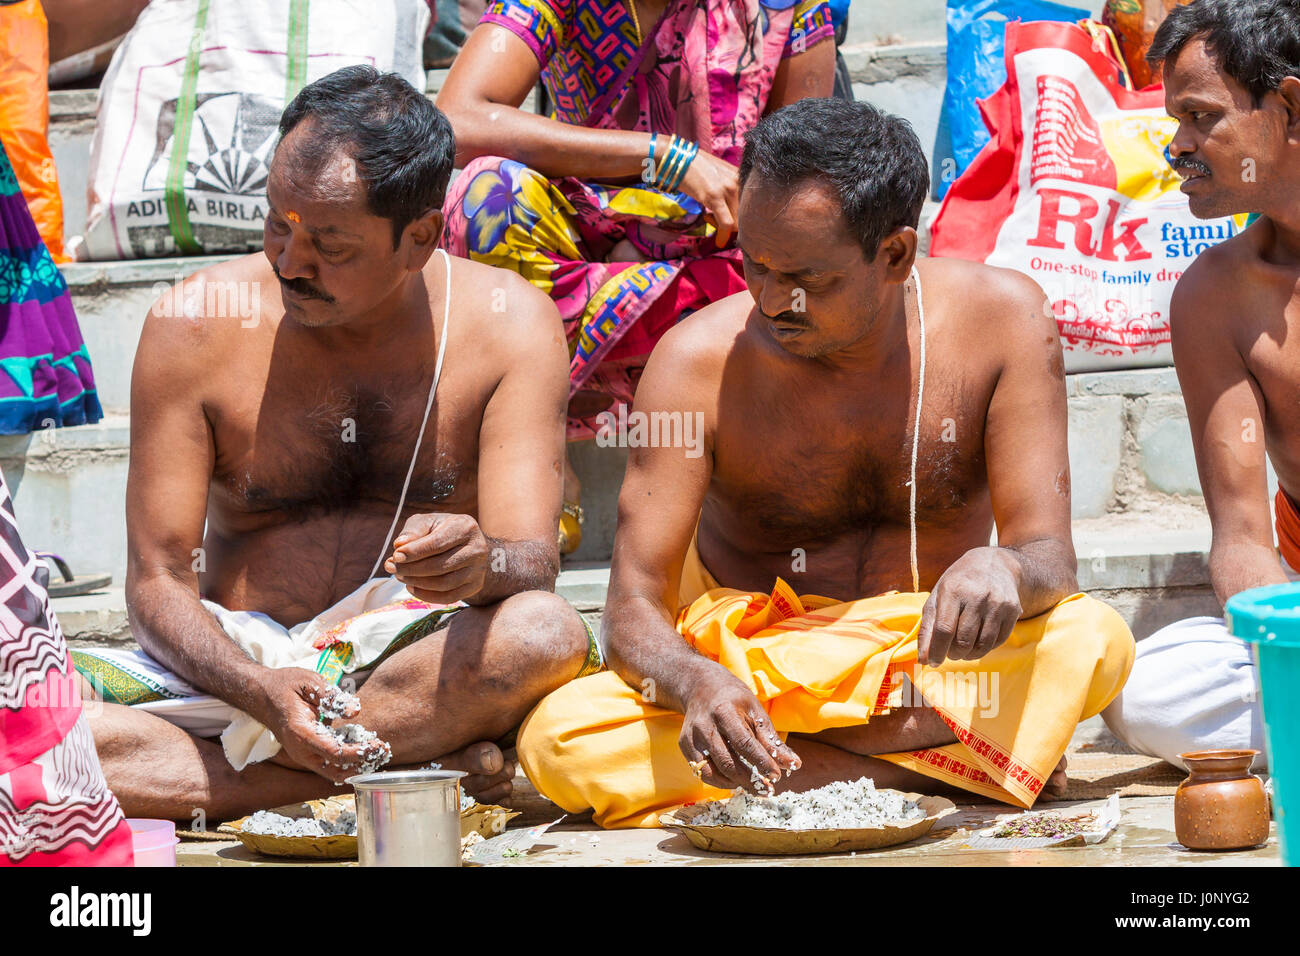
(293, 216)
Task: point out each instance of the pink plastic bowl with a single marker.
(154, 842)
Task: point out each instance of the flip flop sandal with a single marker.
(570, 532)
(72, 585)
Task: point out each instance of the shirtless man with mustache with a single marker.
(1232, 80)
(374, 414)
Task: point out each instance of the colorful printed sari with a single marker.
(47, 380)
(55, 807)
(704, 72)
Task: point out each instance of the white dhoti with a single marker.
(1192, 687)
(350, 638)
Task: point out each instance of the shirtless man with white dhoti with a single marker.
(379, 409)
(1232, 80)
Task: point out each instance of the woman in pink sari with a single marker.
(621, 203)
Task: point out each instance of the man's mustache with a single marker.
(1186, 162)
(302, 287)
(788, 318)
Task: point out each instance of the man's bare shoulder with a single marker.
(1205, 310)
(707, 337)
(975, 299)
(1219, 269)
(688, 362)
(508, 313)
(209, 308)
(197, 334)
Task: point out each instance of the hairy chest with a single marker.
(807, 475)
(336, 449)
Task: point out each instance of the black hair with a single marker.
(1256, 42)
(872, 159)
(402, 144)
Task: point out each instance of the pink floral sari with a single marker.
(704, 73)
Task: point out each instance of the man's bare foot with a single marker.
(491, 775)
(1056, 785)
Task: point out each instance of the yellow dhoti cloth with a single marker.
(816, 663)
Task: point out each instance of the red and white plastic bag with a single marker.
(1074, 190)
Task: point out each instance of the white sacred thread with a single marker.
(433, 388)
(916, 430)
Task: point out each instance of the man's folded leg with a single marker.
(1014, 710)
(443, 696)
(1193, 687)
(597, 743)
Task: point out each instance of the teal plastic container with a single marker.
(1269, 619)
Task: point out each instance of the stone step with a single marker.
(1152, 574)
(1152, 567)
(95, 620)
(69, 492)
(72, 127)
(906, 80)
(1130, 445)
(99, 619)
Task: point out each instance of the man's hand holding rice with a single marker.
(293, 696)
(726, 732)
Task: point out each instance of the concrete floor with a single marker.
(1145, 837)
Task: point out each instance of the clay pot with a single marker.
(1221, 805)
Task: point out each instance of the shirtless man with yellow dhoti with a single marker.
(818, 568)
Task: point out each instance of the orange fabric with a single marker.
(816, 663)
(1288, 530)
(25, 116)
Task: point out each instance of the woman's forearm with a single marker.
(549, 146)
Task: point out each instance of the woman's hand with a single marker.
(715, 184)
